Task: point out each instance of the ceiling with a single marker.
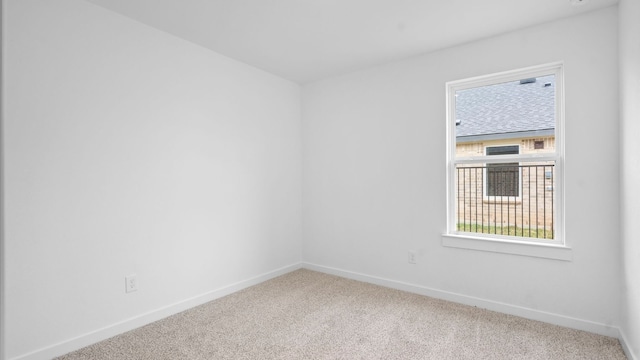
(307, 40)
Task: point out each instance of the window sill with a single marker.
(555, 252)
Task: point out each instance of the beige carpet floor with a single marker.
(310, 315)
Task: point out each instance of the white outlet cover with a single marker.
(130, 283)
(412, 257)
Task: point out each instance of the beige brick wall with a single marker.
(526, 146)
(533, 208)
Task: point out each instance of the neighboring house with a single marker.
(508, 118)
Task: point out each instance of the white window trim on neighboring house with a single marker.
(558, 248)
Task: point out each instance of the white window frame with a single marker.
(556, 248)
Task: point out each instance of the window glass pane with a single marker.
(503, 179)
(519, 199)
(503, 150)
(521, 110)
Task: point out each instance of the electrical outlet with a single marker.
(130, 283)
(412, 257)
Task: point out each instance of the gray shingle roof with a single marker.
(507, 108)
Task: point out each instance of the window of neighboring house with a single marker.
(503, 179)
(504, 184)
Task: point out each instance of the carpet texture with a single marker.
(310, 315)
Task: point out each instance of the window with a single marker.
(504, 157)
(503, 179)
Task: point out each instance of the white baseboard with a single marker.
(149, 317)
(527, 313)
(624, 341)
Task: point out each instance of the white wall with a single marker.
(374, 174)
(630, 170)
(2, 252)
(128, 150)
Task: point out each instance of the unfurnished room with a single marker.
(320, 179)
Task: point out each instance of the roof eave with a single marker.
(513, 135)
